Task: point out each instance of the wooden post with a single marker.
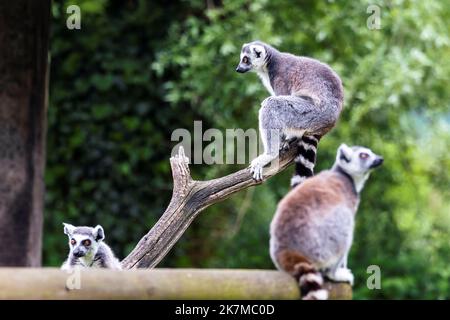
(24, 33)
(213, 284)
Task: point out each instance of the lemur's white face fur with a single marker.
(357, 162)
(253, 57)
(84, 241)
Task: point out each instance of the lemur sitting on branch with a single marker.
(312, 230)
(305, 103)
(87, 249)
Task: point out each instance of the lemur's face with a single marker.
(253, 57)
(357, 161)
(84, 241)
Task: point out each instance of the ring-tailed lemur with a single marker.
(87, 249)
(312, 230)
(305, 103)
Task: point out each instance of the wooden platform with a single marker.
(214, 284)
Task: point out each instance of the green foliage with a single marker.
(119, 85)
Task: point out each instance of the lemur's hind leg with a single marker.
(279, 116)
(339, 272)
(271, 139)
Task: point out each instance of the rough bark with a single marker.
(173, 284)
(24, 32)
(189, 198)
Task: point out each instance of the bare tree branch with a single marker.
(189, 198)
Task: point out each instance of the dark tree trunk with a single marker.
(24, 33)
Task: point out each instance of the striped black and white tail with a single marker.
(305, 160)
(311, 282)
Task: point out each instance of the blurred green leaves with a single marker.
(140, 69)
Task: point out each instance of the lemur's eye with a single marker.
(363, 155)
(87, 243)
(73, 242)
(245, 60)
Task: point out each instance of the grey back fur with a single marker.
(306, 101)
(312, 230)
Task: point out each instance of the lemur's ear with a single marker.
(68, 228)
(99, 234)
(345, 152)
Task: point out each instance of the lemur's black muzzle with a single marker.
(242, 69)
(78, 253)
(377, 162)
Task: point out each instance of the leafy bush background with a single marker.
(137, 70)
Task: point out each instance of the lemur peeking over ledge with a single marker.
(87, 249)
(312, 231)
(305, 103)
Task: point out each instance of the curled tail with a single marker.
(306, 159)
(309, 278)
(310, 281)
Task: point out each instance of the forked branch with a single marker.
(189, 198)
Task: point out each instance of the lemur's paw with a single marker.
(286, 143)
(257, 172)
(342, 275)
(257, 165)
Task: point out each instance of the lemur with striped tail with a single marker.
(312, 231)
(305, 103)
